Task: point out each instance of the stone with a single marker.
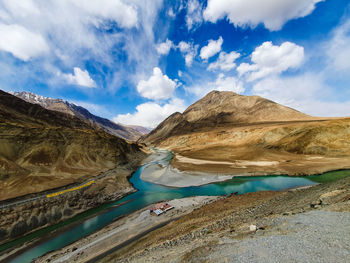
(252, 228)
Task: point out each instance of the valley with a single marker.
(71, 188)
(185, 131)
(149, 193)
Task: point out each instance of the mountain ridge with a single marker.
(61, 105)
(222, 109)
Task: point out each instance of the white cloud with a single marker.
(80, 78)
(164, 48)
(77, 31)
(288, 90)
(226, 61)
(150, 114)
(272, 13)
(125, 15)
(338, 49)
(189, 51)
(189, 59)
(171, 13)
(269, 59)
(213, 47)
(21, 42)
(184, 47)
(302, 92)
(194, 13)
(158, 86)
(21, 8)
(222, 83)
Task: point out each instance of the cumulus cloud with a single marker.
(194, 13)
(184, 47)
(189, 51)
(222, 83)
(164, 48)
(158, 86)
(80, 78)
(337, 48)
(270, 59)
(213, 47)
(150, 114)
(226, 61)
(272, 13)
(21, 42)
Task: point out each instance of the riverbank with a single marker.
(124, 229)
(162, 173)
(264, 226)
(255, 162)
(172, 177)
(21, 222)
(183, 171)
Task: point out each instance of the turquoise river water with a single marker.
(148, 193)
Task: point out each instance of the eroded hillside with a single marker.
(42, 149)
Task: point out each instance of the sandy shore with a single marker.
(164, 174)
(168, 176)
(122, 230)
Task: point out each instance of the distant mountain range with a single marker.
(131, 133)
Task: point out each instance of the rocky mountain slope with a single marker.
(125, 132)
(223, 109)
(229, 133)
(42, 149)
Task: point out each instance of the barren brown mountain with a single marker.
(42, 149)
(229, 133)
(126, 132)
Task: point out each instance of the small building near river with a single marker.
(160, 208)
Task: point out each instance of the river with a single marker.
(149, 193)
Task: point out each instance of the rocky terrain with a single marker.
(22, 219)
(248, 135)
(42, 149)
(131, 133)
(262, 226)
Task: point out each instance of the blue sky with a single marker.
(136, 62)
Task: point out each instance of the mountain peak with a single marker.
(224, 108)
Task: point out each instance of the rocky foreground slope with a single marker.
(299, 225)
(42, 149)
(229, 133)
(131, 133)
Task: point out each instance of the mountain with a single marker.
(229, 133)
(42, 149)
(141, 129)
(125, 132)
(223, 108)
